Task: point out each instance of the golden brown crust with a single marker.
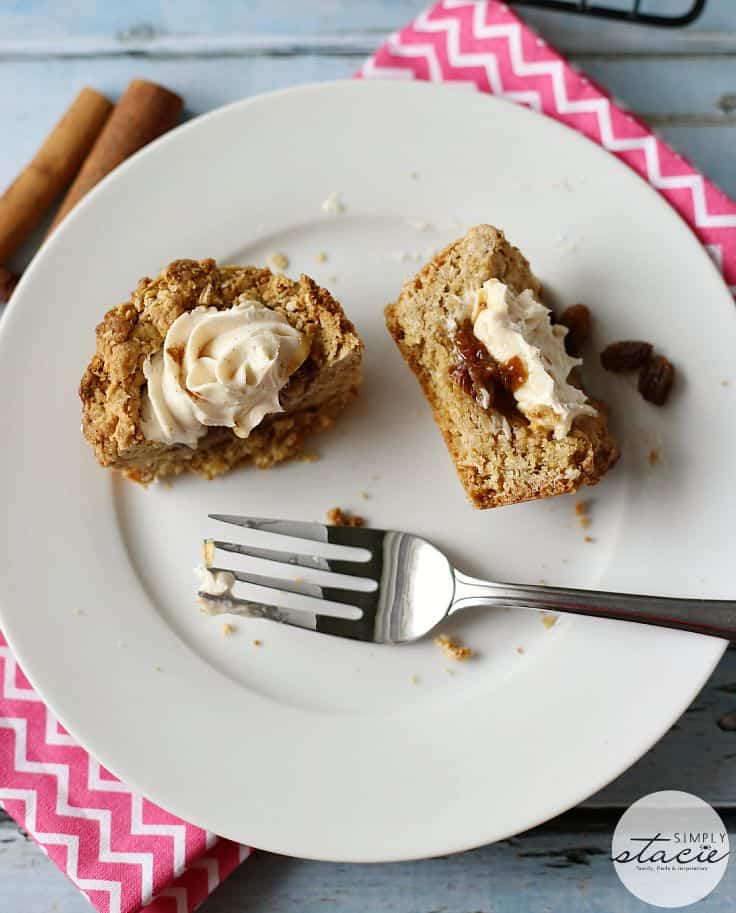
(112, 387)
(496, 467)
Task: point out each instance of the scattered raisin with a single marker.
(578, 320)
(655, 379)
(625, 356)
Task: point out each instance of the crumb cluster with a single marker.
(336, 516)
(453, 648)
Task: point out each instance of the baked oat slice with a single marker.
(206, 368)
(493, 367)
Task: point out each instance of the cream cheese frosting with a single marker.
(519, 326)
(215, 583)
(219, 369)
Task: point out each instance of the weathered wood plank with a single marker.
(560, 867)
(138, 26)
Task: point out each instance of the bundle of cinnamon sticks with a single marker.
(93, 137)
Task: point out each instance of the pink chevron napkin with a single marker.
(486, 45)
(126, 854)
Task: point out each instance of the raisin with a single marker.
(625, 356)
(577, 318)
(655, 379)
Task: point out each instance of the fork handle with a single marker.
(716, 617)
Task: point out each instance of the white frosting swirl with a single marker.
(219, 368)
(519, 326)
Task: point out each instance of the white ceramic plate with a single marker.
(315, 746)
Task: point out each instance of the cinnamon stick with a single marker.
(144, 112)
(8, 282)
(24, 203)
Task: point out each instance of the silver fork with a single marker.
(392, 587)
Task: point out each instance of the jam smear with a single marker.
(479, 375)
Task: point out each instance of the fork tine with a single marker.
(355, 629)
(365, 568)
(225, 605)
(282, 595)
(358, 540)
(272, 554)
(305, 587)
(316, 532)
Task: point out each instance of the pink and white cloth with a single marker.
(122, 851)
(126, 854)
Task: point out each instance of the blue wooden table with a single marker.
(684, 83)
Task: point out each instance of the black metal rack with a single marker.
(634, 14)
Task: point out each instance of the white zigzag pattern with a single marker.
(63, 809)
(137, 826)
(10, 689)
(180, 898)
(28, 797)
(212, 868)
(95, 782)
(554, 69)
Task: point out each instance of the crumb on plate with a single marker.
(336, 516)
(333, 203)
(413, 680)
(549, 620)
(419, 224)
(452, 648)
(208, 552)
(588, 539)
(582, 509)
(519, 650)
(277, 260)
(321, 257)
(228, 629)
(257, 643)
